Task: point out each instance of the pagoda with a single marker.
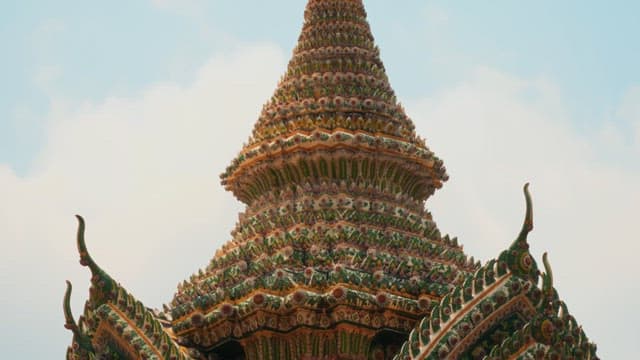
(336, 256)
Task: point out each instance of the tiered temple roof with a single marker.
(505, 310)
(115, 325)
(335, 256)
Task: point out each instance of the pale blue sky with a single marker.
(482, 80)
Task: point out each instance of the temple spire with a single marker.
(335, 181)
(335, 95)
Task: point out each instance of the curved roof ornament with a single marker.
(527, 225)
(83, 341)
(69, 321)
(103, 283)
(517, 257)
(547, 277)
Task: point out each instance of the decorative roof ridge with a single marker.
(80, 338)
(515, 262)
(514, 274)
(434, 327)
(552, 333)
(156, 337)
(108, 297)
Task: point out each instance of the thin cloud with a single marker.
(144, 173)
(495, 132)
